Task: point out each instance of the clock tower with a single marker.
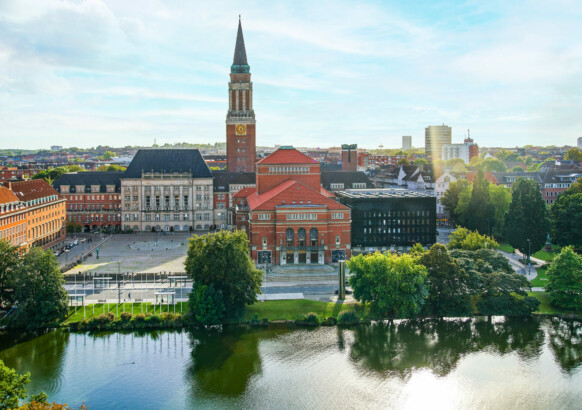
(240, 119)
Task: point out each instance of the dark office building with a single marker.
(384, 218)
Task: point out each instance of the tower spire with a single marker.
(239, 62)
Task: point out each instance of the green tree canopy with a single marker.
(566, 219)
(9, 266)
(492, 165)
(394, 285)
(574, 155)
(448, 283)
(107, 155)
(527, 217)
(480, 212)
(463, 238)
(451, 198)
(12, 387)
(222, 260)
(39, 292)
(500, 198)
(565, 280)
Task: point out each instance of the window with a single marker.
(337, 215)
(337, 240)
(166, 217)
(176, 217)
(264, 217)
(264, 241)
(301, 217)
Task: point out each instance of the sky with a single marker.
(122, 72)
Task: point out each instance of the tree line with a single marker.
(520, 215)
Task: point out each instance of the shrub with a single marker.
(329, 321)
(125, 316)
(347, 317)
(308, 319)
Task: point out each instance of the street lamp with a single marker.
(528, 256)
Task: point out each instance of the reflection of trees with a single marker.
(401, 347)
(42, 356)
(223, 362)
(566, 342)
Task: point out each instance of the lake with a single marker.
(533, 363)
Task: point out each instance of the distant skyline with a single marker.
(100, 72)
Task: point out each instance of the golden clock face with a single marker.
(241, 129)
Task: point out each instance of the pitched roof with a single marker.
(291, 193)
(240, 54)
(88, 179)
(7, 196)
(223, 180)
(243, 193)
(348, 178)
(168, 161)
(492, 177)
(33, 189)
(286, 155)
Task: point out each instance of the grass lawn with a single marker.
(545, 306)
(548, 256)
(505, 247)
(113, 307)
(541, 280)
(291, 309)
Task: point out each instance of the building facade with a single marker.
(465, 151)
(289, 217)
(93, 199)
(12, 219)
(435, 136)
(240, 119)
(167, 190)
(406, 142)
(383, 219)
(41, 208)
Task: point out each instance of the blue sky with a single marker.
(102, 72)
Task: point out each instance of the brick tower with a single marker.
(240, 119)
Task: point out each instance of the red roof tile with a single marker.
(291, 193)
(488, 176)
(7, 196)
(243, 193)
(286, 156)
(35, 189)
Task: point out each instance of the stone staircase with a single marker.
(302, 273)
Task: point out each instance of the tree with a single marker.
(12, 387)
(574, 155)
(39, 292)
(503, 292)
(500, 198)
(527, 217)
(394, 285)
(73, 226)
(566, 219)
(450, 199)
(207, 305)
(222, 260)
(565, 280)
(462, 238)
(480, 212)
(420, 161)
(9, 265)
(107, 155)
(403, 161)
(449, 291)
(492, 165)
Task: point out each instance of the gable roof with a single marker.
(291, 193)
(286, 155)
(168, 161)
(33, 189)
(88, 179)
(348, 178)
(7, 196)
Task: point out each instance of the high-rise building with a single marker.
(580, 142)
(349, 157)
(406, 142)
(465, 151)
(435, 136)
(240, 119)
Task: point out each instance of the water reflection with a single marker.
(223, 362)
(566, 343)
(401, 347)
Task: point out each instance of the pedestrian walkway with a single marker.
(519, 267)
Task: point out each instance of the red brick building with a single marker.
(93, 199)
(289, 217)
(12, 218)
(240, 119)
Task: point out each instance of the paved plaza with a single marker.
(138, 253)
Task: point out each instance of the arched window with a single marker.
(301, 237)
(313, 234)
(289, 236)
(337, 240)
(264, 241)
